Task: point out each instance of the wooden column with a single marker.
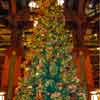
(89, 74)
(84, 67)
(79, 62)
(5, 70)
(17, 67)
(11, 71)
(76, 59)
(11, 75)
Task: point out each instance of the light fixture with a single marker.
(35, 23)
(93, 92)
(95, 34)
(60, 2)
(98, 48)
(90, 5)
(32, 4)
(2, 95)
(95, 95)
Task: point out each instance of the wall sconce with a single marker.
(2, 95)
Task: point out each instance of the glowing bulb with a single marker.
(98, 48)
(27, 69)
(90, 5)
(35, 23)
(95, 35)
(33, 4)
(93, 92)
(37, 74)
(2, 93)
(29, 87)
(60, 2)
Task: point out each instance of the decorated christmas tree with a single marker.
(51, 74)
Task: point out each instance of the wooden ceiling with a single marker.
(15, 17)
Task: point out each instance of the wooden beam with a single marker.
(4, 78)
(13, 7)
(11, 75)
(81, 8)
(83, 63)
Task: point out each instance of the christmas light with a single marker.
(35, 23)
(27, 69)
(51, 66)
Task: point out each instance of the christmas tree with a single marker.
(51, 74)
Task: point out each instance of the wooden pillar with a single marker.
(88, 72)
(11, 71)
(76, 59)
(84, 67)
(11, 75)
(5, 70)
(17, 67)
(89, 75)
(79, 62)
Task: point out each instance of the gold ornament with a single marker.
(13, 53)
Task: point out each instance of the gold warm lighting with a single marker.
(98, 48)
(1, 25)
(28, 30)
(4, 31)
(27, 69)
(95, 34)
(90, 5)
(2, 49)
(35, 23)
(14, 53)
